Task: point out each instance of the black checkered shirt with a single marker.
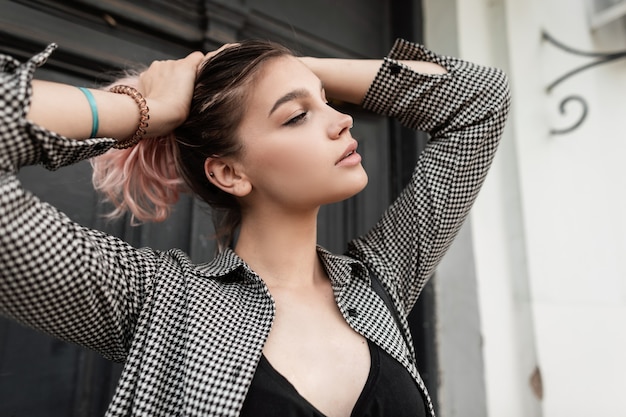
(190, 336)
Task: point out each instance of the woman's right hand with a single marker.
(169, 84)
(168, 89)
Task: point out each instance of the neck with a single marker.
(281, 248)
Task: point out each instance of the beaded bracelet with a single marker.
(143, 115)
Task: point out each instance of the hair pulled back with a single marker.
(147, 179)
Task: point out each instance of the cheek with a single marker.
(292, 160)
(293, 175)
(304, 177)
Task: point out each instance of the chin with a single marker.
(362, 180)
(363, 183)
(355, 187)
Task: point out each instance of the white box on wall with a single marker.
(602, 12)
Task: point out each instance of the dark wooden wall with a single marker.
(41, 376)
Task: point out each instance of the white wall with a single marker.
(574, 195)
(548, 229)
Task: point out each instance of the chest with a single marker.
(199, 342)
(312, 346)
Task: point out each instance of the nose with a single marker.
(341, 123)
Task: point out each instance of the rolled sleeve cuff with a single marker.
(385, 94)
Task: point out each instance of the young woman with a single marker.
(274, 325)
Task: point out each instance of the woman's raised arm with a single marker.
(464, 110)
(349, 79)
(57, 276)
(167, 87)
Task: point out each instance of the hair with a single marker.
(147, 179)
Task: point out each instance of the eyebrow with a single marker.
(292, 95)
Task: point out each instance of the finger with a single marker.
(211, 54)
(195, 57)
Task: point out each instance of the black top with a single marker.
(389, 391)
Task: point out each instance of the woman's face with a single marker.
(298, 151)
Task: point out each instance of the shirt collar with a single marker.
(341, 268)
(224, 266)
(227, 265)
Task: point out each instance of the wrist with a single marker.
(163, 118)
(144, 115)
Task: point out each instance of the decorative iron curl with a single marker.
(562, 109)
(601, 58)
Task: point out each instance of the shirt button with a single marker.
(352, 312)
(395, 69)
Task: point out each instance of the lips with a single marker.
(350, 150)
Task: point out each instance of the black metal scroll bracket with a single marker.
(601, 58)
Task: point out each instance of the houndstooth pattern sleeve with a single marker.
(464, 111)
(77, 284)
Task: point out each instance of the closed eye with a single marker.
(296, 120)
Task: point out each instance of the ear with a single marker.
(225, 175)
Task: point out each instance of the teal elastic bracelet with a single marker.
(94, 111)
